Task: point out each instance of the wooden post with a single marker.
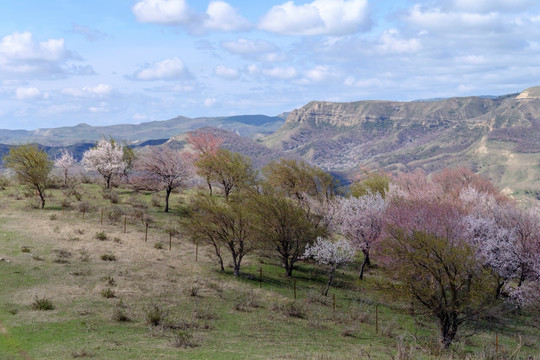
(376, 319)
(125, 224)
(334, 302)
(101, 217)
(496, 343)
(146, 233)
(260, 277)
(294, 281)
(196, 250)
(170, 240)
(83, 214)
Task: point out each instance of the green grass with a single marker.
(225, 317)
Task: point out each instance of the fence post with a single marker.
(260, 277)
(146, 233)
(101, 218)
(376, 319)
(125, 224)
(170, 240)
(496, 343)
(196, 250)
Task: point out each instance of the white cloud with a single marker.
(439, 20)
(87, 33)
(103, 107)
(318, 73)
(20, 54)
(259, 50)
(281, 72)
(209, 102)
(226, 73)
(27, 93)
(139, 117)
(89, 91)
(223, 17)
(168, 69)
(486, 6)
(320, 17)
(169, 12)
(391, 43)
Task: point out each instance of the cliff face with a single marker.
(499, 137)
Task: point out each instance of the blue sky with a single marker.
(64, 62)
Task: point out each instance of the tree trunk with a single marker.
(41, 196)
(449, 327)
(288, 265)
(167, 195)
(329, 283)
(108, 181)
(209, 185)
(365, 263)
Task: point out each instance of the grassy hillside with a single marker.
(56, 255)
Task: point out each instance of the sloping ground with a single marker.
(498, 137)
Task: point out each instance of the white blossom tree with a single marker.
(166, 168)
(65, 163)
(360, 220)
(106, 158)
(334, 255)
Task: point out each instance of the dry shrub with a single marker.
(42, 304)
(154, 315)
(115, 213)
(183, 339)
(289, 308)
(120, 312)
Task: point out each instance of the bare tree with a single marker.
(166, 168)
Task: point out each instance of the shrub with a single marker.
(66, 204)
(81, 353)
(204, 313)
(154, 315)
(108, 257)
(292, 309)
(119, 313)
(61, 256)
(158, 245)
(183, 339)
(84, 255)
(53, 217)
(84, 206)
(42, 304)
(115, 213)
(111, 195)
(100, 235)
(108, 293)
(33, 203)
(109, 280)
(156, 201)
(25, 249)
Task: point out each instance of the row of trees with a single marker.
(455, 243)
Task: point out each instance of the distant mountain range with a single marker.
(498, 136)
(252, 126)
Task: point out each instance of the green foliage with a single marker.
(227, 169)
(108, 293)
(32, 166)
(376, 182)
(108, 257)
(296, 179)
(155, 315)
(42, 304)
(283, 227)
(100, 235)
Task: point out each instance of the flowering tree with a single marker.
(166, 168)
(332, 254)
(65, 162)
(106, 158)
(428, 250)
(360, 220)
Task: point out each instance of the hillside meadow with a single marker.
(114, 290)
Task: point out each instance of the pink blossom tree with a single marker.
(360, 220)
(166, 168)
(106, 158)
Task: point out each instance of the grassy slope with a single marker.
(229, 318)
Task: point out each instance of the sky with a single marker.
(104, 62)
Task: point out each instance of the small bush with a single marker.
(183, 339)
(81, 353)
(108, 257)
(154, 315)
(61, 256)
(25, 249)
(84, 206)
(243, 302)
(37, 258)
(156, 200)
(119, 313)
(42, 304)
(117, 240)
(204, 313)
(108, 293)
(158, 245)
(33, 203)
(66, 204)
(111, 195)
(291, 309)
(115, 213)
(79, 231)
(100, 235)
(53, 217)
